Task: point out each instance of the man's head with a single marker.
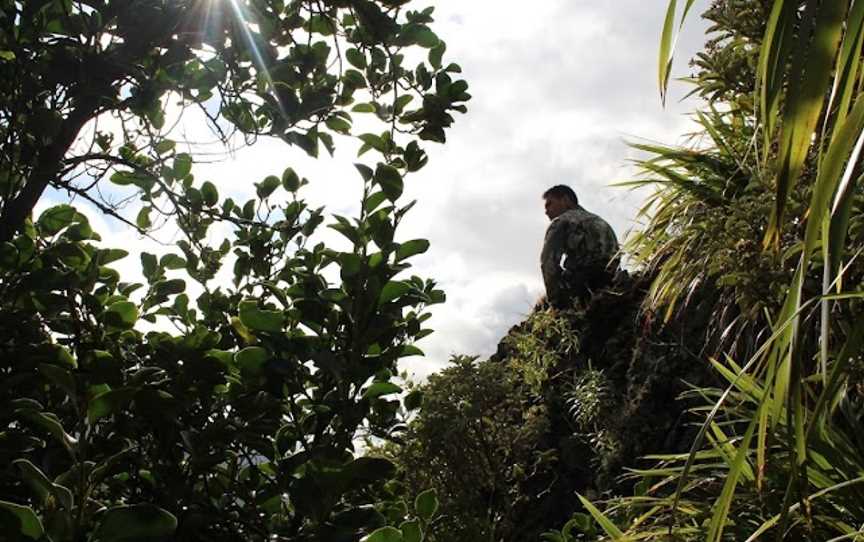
(558, 199)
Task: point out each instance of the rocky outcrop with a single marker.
(568, 402)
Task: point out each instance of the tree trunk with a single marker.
(49, 163)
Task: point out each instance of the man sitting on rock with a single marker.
(585, 242)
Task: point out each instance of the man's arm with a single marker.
(554, 246)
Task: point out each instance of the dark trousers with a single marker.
(582, 283)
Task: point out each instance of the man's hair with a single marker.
(561, 191)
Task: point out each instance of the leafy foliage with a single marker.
(226, 428)
(187, 407)
(295, 70)
(569, 400)
(538, 347)
(704, 225)
(474, 441)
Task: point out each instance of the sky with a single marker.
(558, 88)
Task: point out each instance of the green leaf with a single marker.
(29, 524)
(607, 525)
(108, 403)
(111, 255)
(807, 82)
(50, 423)
(411, 531)
(338, 124)
(143, 218)
(209, 193)
(267, 186)
(350, 263)
(308, 141)
(375, 260)
(182, 165)
(666, 48)
(356, 58)
(320, 24)
(393, 290)
(7, 55)
(426, 38)
(379, 389)
(164, 146)
(138, 178)
(172, 261)
(724, 502)
(426, 505)
(583, 522)
(354, 79)
(373, 201)
(55, 219)
(290, 180)
(411, 248)
(252, 358)
(169, 287)
(64, 356)
(43, 486)
(390, 181)
(410, 350)
(365, 171)
(401, 102)
(385, 534)
(122, 314)
(347, 229)
(363, 108)
(149, 265)
(123, 523)
(436, 54)
(260, 320)
(374, 141)
(72, 254)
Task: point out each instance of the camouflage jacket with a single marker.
(587, 244)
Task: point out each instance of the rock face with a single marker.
(605, 380)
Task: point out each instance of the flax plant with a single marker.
(778, 453)
(703, 225)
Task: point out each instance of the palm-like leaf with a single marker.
(782, 416)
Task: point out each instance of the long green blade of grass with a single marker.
(737, 468)
(771, 522)
(772, 58)
(848, 63)
(804, 99)
(844, 150)
(604, 522)
(852, 348)
(754, 360)
(666, 38)
(667, 43)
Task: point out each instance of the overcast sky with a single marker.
(557, 86)
(557, 89)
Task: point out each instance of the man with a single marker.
(585, 241)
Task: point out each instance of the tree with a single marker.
(240, 422)
(266, 67)
(475, 440)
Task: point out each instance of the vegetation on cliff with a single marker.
(717, 396)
